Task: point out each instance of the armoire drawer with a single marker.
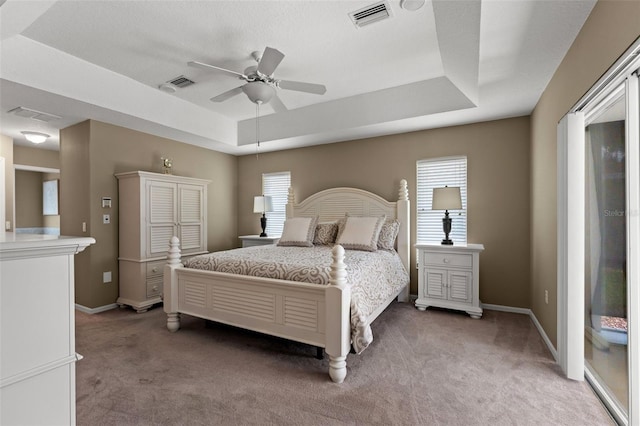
(154, 286)
(155, 268)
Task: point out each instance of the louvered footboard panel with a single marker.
(294, 311)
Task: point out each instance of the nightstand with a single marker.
(448, 277)
(256, 240)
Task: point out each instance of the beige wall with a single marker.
(92, 153)
(28, 199)
(608, 32)
(6, 151)
(498, 188)
(28, 156)
(74, 209)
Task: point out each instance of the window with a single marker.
(437, 173)
(276, 185)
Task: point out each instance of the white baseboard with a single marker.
(96, 310)
(529, 312)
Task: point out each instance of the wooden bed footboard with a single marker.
(307, 313)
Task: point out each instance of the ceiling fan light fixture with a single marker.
(35, 137)
(259, 92)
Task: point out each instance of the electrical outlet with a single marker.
(546, 297)
(106, 277)
(106, 218)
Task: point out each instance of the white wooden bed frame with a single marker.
(309, 313)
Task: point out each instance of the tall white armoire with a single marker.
(153, 207)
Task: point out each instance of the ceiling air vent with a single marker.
(181, 81)
(370, 14)
(33, 114)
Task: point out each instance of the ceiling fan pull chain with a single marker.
(257, 129)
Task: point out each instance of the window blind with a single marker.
(437, 173)
(276, 185)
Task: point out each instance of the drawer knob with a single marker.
(445, 260)
(155, 288)
(155, 269)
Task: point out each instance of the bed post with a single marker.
(170, 282)
(338, 326)
(404, 246)
(291, 199)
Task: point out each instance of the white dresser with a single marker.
(152, 208)
(449, 277)
(37, 328)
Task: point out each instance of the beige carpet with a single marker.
(424, 368)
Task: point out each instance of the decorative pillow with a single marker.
(361, 233)
(326, 233)
(298, 231)
(388, 234)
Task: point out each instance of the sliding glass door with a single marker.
(599, 239)
(611, 248)
(606, 307)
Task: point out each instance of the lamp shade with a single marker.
(262, 203)
(447, 198)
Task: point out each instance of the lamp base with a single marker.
(446, 227)
(263, 225)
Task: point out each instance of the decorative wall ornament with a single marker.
(166, 165)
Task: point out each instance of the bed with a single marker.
(302, 310)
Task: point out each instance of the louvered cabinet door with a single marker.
(162, 216)
(190, 218)
(459, 286)
(436, 281)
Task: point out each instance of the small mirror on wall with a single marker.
(50, 197)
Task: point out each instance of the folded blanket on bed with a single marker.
(373, 276)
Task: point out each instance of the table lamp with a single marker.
(447, 198)
(262, 204)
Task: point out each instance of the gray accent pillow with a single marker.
(388, 234)
(326, 233)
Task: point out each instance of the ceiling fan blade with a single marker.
(197, 64)
(277, 104)
(299, 86)
(270, 60)
(226, 95)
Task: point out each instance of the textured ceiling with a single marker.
(450, 62)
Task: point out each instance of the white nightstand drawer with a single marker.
(448, 259)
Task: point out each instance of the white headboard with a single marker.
(332, 204)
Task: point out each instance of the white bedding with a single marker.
(373, 276)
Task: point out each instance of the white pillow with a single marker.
(298, 231)
(361, 233)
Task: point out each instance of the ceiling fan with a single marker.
(260, 84)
